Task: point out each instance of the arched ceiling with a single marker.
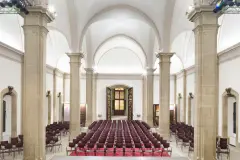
(118, 55)
(149, 25)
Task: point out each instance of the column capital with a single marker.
(164, 57)
(206, 13)
(89, 70)
(75, 57)
(38, 10)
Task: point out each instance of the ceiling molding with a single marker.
(120, 76)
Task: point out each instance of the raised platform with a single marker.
(113, 158)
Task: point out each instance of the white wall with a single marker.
(228, 77)
(137, 95)
(190, 89)
(11, 76)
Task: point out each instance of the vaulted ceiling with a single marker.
(108, 29)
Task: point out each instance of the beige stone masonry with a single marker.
(164, 92)
(35, 34)
(89, 95)
(206, 29)
(75, 64)
(149, 95)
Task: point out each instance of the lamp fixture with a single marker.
(226, 6)
(14, 6)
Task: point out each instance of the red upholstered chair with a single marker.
(90, 149)
(166, 148)
(118, 148)
(157, 150)
(147, 148)
(137, 149)
(70, 148)
(109, 149)
(128, 148)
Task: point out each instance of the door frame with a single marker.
(110, 99)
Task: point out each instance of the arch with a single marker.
(52, 28)
(183, 45)
(120, 48)
(121, 35)
(229, 92)
(11, 92)
(123, 6)
(57, 45)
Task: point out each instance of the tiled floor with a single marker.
(177, 153)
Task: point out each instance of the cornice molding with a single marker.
(11, 53)
(120, 76)
(229, 53)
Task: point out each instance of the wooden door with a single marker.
(108, 103)
(130, 103)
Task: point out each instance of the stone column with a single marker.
(54, 95)
(75, 63)
(89, 95)
(206, 30)
(35, 34)
(164, 92)
(175, 99)
(144, 99)
(184, 96)
(94, 96)
(149, 95)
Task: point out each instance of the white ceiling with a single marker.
(139, 28)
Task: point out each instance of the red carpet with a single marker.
(120, 153)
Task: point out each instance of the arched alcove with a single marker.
(230, 112)
(13, 94)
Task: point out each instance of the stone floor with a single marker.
(177, 154)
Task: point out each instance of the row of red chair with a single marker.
(119, 137)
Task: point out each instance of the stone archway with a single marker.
(110, 99)
(229, 92)
(11, 92)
